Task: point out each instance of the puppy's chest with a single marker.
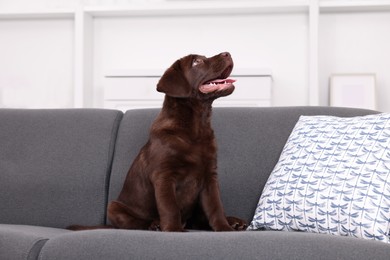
(200, 164)
(196, 150)
(203, 151)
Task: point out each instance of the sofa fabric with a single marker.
(19, 242)
(62, 166)
(55, 165)
(122, 244)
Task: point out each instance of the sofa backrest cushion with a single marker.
(250, 141)
(133, 134)
(55, 165)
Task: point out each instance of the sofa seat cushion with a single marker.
(24, 242)
(130, 244)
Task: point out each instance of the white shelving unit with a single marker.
(83, 26)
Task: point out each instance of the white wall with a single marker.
(275, 41)
(356, 43)
(36, 63)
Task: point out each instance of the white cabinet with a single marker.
(137, 89)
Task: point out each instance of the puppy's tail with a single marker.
(79, 228)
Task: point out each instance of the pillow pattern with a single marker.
(333, 177)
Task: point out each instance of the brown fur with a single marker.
(172, 184)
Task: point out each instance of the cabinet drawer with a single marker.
(129, 92)
(132, 104)
(131, 88)
(251, 88)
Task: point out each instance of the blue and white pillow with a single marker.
(333, 177)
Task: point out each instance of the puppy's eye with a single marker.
(196, 62)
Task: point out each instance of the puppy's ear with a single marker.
(173, 82)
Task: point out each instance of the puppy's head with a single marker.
(198, 76)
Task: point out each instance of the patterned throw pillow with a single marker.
(333, 177)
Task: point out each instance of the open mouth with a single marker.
(218, 84)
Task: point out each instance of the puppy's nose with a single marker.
(225, 54)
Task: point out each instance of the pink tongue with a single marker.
(216, 85)
(222, 81)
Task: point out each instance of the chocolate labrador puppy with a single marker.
(172, 184)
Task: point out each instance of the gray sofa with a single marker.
(61, 167)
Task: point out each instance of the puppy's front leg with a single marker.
(212, 206)
(168, 209)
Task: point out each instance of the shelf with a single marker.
(180, 8)
(199, 8)
(38, 14)
(354, 6)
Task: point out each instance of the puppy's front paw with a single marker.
(155, 226)
(236, 223)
